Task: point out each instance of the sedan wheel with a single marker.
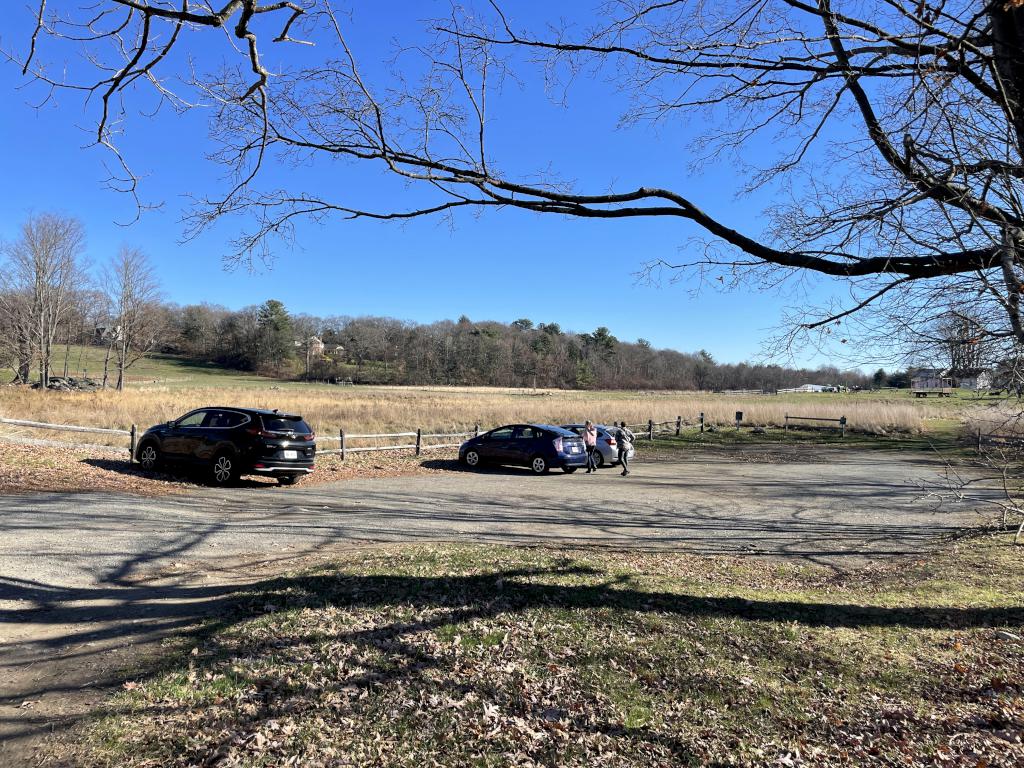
(598, 459)
(149, 458)
(539, 465)
(224, 469)
(472, 459)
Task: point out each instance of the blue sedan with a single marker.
(537, 446)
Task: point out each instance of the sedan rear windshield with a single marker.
(286, 424)
(558, 431)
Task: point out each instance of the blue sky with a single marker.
(499, 265)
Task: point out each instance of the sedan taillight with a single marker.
(610, 440)
(558, 444)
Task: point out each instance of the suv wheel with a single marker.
(287, 479)
(539, 465)
(224, 470)
(149, 457)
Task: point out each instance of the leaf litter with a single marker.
(484, 655)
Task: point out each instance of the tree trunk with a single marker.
(106, 365)
(1008, 60)
(44, 360)
(67, 350)
(122, 358)
(1010, 263)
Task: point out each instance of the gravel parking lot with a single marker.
(86, 580)
(844, 506)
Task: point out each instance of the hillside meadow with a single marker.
(435, 409)
(163, 387)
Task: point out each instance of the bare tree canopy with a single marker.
(38, 279)
(135, 316)
(898, 125)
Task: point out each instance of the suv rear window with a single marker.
(284, 424)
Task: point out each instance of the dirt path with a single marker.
(89, 583)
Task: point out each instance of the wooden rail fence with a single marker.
(344, 448)
(420, 441)
(132, 433)
(841, 421)
(994, 440)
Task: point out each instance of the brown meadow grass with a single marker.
(1001, 418)
(438, 409)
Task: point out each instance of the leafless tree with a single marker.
(16, 332)
(919, 103)
(306, 330)
(196, 329)
(44, 268)
(137, 321)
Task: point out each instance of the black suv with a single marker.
(230, 442)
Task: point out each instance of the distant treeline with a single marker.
(51, 299)
(382, 350)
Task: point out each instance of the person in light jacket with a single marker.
(590, 441)
(624, 438)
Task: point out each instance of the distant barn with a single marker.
(931, 381)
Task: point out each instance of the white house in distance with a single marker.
(808, 388)
(977, 379)
(943, 380)
(314, 346)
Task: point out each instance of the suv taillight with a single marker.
(310, 437)
(558, 444)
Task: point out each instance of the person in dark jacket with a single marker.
(624, 439)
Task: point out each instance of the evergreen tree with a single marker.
(274, 343)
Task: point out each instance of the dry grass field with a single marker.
(163, 387)
(437, 409)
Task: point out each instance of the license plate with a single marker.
(574, 449)
(291, 454)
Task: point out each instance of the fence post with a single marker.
(419, 437)
(702, 422)
(650, 429)
(842, 426)
(131, 450)
(979, 439)
(679, 425)
(476, 430)
(341, 438)
(785, 424)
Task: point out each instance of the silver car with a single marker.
(607, 449)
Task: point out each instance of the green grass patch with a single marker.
(167, 370)
(463, 655)
(940, 438)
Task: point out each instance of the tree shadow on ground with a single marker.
(448, 600)
(185, 476)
